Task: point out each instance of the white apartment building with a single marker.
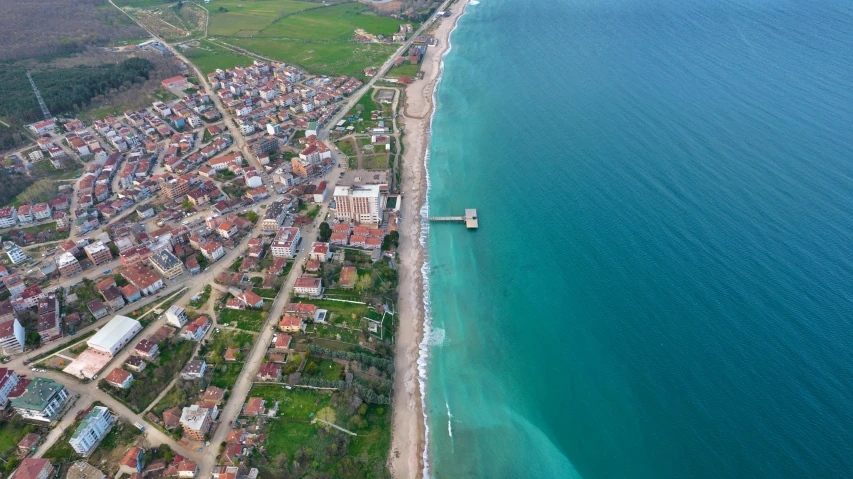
(284, 244)
(15, 253)
(12, 336)
(176, 316)
(91, 430)
(358, 203)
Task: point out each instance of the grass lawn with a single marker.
(376, 162)
(175, 397)
(243, 319)
(219, 342)
(367, 106)
(337, 22)
(405, 70)
(375, 439)
(265, 293)
(337, 307)
(244, 17)
(320, 57)
(225, 375)
(347, 147)
(287, 437)
(11, 432)
(325, 369)
(348, 294)
(208, 57)
(296, 404)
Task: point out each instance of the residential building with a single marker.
(358, 203)
(175, 82)
(8, 217)
(290, 324)
(147, 349)
(176, 316)
(132, 461)
(308, 286)
(348, 277)
(29, 444)
(97, 308)
(114, 335)
(197, 329)
(68, 264)
(300, 310)
(269, 372)
(12, 336)
(320, 252)
(8, 380)
(250, 299)
(98, 253)
(196, 422)
(34, 468)
(284, 244)
(145, 280)
(119, 378)
(25, 214)
(167, 264)
(84, 470)
(91, 430)
(113, 297)
(15, 253)
(254, 407)
(273, 217)
(227, 230)
(194, 369)
(49, 322)
(212, 250)
(135, 363)
(42, 400)
(130, 293)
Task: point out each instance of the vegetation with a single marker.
(64, 27)
(202, 298)
(325, 232)
(324, 58)
(67, 89)
(151, 381)
(13, 430)
(209, 56)
(243, 319)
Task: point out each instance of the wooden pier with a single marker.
(470, 218)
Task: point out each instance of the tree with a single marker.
(325, 232)
(252, 216)
(113, 249)
(327, 414)
(364, 282)
(187, 205)
(392, 239)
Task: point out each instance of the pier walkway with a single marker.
(470, 218)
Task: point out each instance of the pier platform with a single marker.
(470, 218)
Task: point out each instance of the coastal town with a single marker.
(212, 290)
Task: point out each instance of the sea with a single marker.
(661, 285)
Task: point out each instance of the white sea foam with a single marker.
(474, 2)
(436, 338)
(426, 342)
(449, 420)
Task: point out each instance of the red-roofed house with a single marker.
(119, 378)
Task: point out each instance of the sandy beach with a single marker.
(407, 442)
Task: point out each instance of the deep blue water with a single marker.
(661, 283)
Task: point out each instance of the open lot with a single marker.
(324, 58)
(240, 17)
(209, 56)
(243, 319)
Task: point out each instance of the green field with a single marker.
(297, 404)
(243, 319)
(337, 22)
(405, 70)
(208, 57)
(320, 57)
(249, 16)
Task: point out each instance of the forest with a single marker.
(35, 28)
(65, 90)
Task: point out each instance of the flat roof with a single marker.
(112, 331)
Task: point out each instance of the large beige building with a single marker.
(358, 203)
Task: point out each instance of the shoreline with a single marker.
(408, 436)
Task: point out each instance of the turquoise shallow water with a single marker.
(661, 283)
